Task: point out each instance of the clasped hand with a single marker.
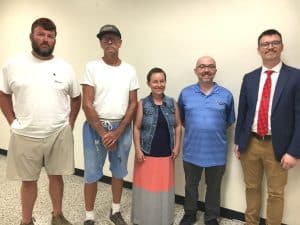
(110, 139)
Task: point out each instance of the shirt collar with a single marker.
(275, 69)
(198, 90)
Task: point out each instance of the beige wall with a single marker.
(169, 34)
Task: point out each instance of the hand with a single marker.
(175, 153)
(109, 140)
(111, 147)
(139, 155)
(237, 152)
(71, 125)
(10, 121)
(288, 161)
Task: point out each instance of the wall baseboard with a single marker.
(3, 152)
(227, 213)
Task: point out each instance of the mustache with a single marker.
(45, 43)
(270, 50)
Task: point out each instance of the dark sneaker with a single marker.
(59, 220)
(117, 218)
(188, 219)
(89, 222)
(212, 222)
(31, 222)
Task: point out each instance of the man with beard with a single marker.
(267, 134)
(46, 103)
(206, 109)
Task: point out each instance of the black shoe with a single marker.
(89, 222)
(188, 219)
(212, 222)
(117, 218)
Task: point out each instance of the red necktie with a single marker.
(262, 122)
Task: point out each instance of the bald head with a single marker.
(206, 60)
(205, 70)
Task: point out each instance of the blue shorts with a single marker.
(95, 153)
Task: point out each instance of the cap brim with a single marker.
(100, 35)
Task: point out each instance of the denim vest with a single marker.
(149, 121)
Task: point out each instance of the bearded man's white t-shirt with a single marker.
(42, 90)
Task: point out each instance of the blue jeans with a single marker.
(95, 153)
(213, 179)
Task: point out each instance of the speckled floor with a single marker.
(10, 212)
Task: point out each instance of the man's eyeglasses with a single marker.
(272, 43)
(110, 39)
(209, 66)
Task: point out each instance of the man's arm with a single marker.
(75, 107)
(230, 113)
(130, 112)
(242, 110)
(290, 158)
(6, 106)
(88, 95)
(181, 109)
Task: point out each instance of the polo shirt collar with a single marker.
(214, 90)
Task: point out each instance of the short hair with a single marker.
(45, 23)
(155, 70)
(269, 32)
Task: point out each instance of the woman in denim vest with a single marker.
(157, 138)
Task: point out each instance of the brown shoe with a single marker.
(59, 220)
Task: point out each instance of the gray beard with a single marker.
(42, 52)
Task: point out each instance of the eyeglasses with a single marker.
(110, 39)
(209, 66)
(272, 43)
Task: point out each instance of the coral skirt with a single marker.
(153, 195)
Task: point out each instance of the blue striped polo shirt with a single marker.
(206, 118)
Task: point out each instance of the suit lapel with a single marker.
(282, 79)
(255, 86)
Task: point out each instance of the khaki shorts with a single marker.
(27, 155)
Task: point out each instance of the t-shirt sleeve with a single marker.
(74, 87)
(4, 84)
(134, 83)
(88, 76)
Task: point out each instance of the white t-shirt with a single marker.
(42, 91)
(112, 85)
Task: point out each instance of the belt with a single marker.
(264, 138)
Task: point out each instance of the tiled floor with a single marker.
(73, 202)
